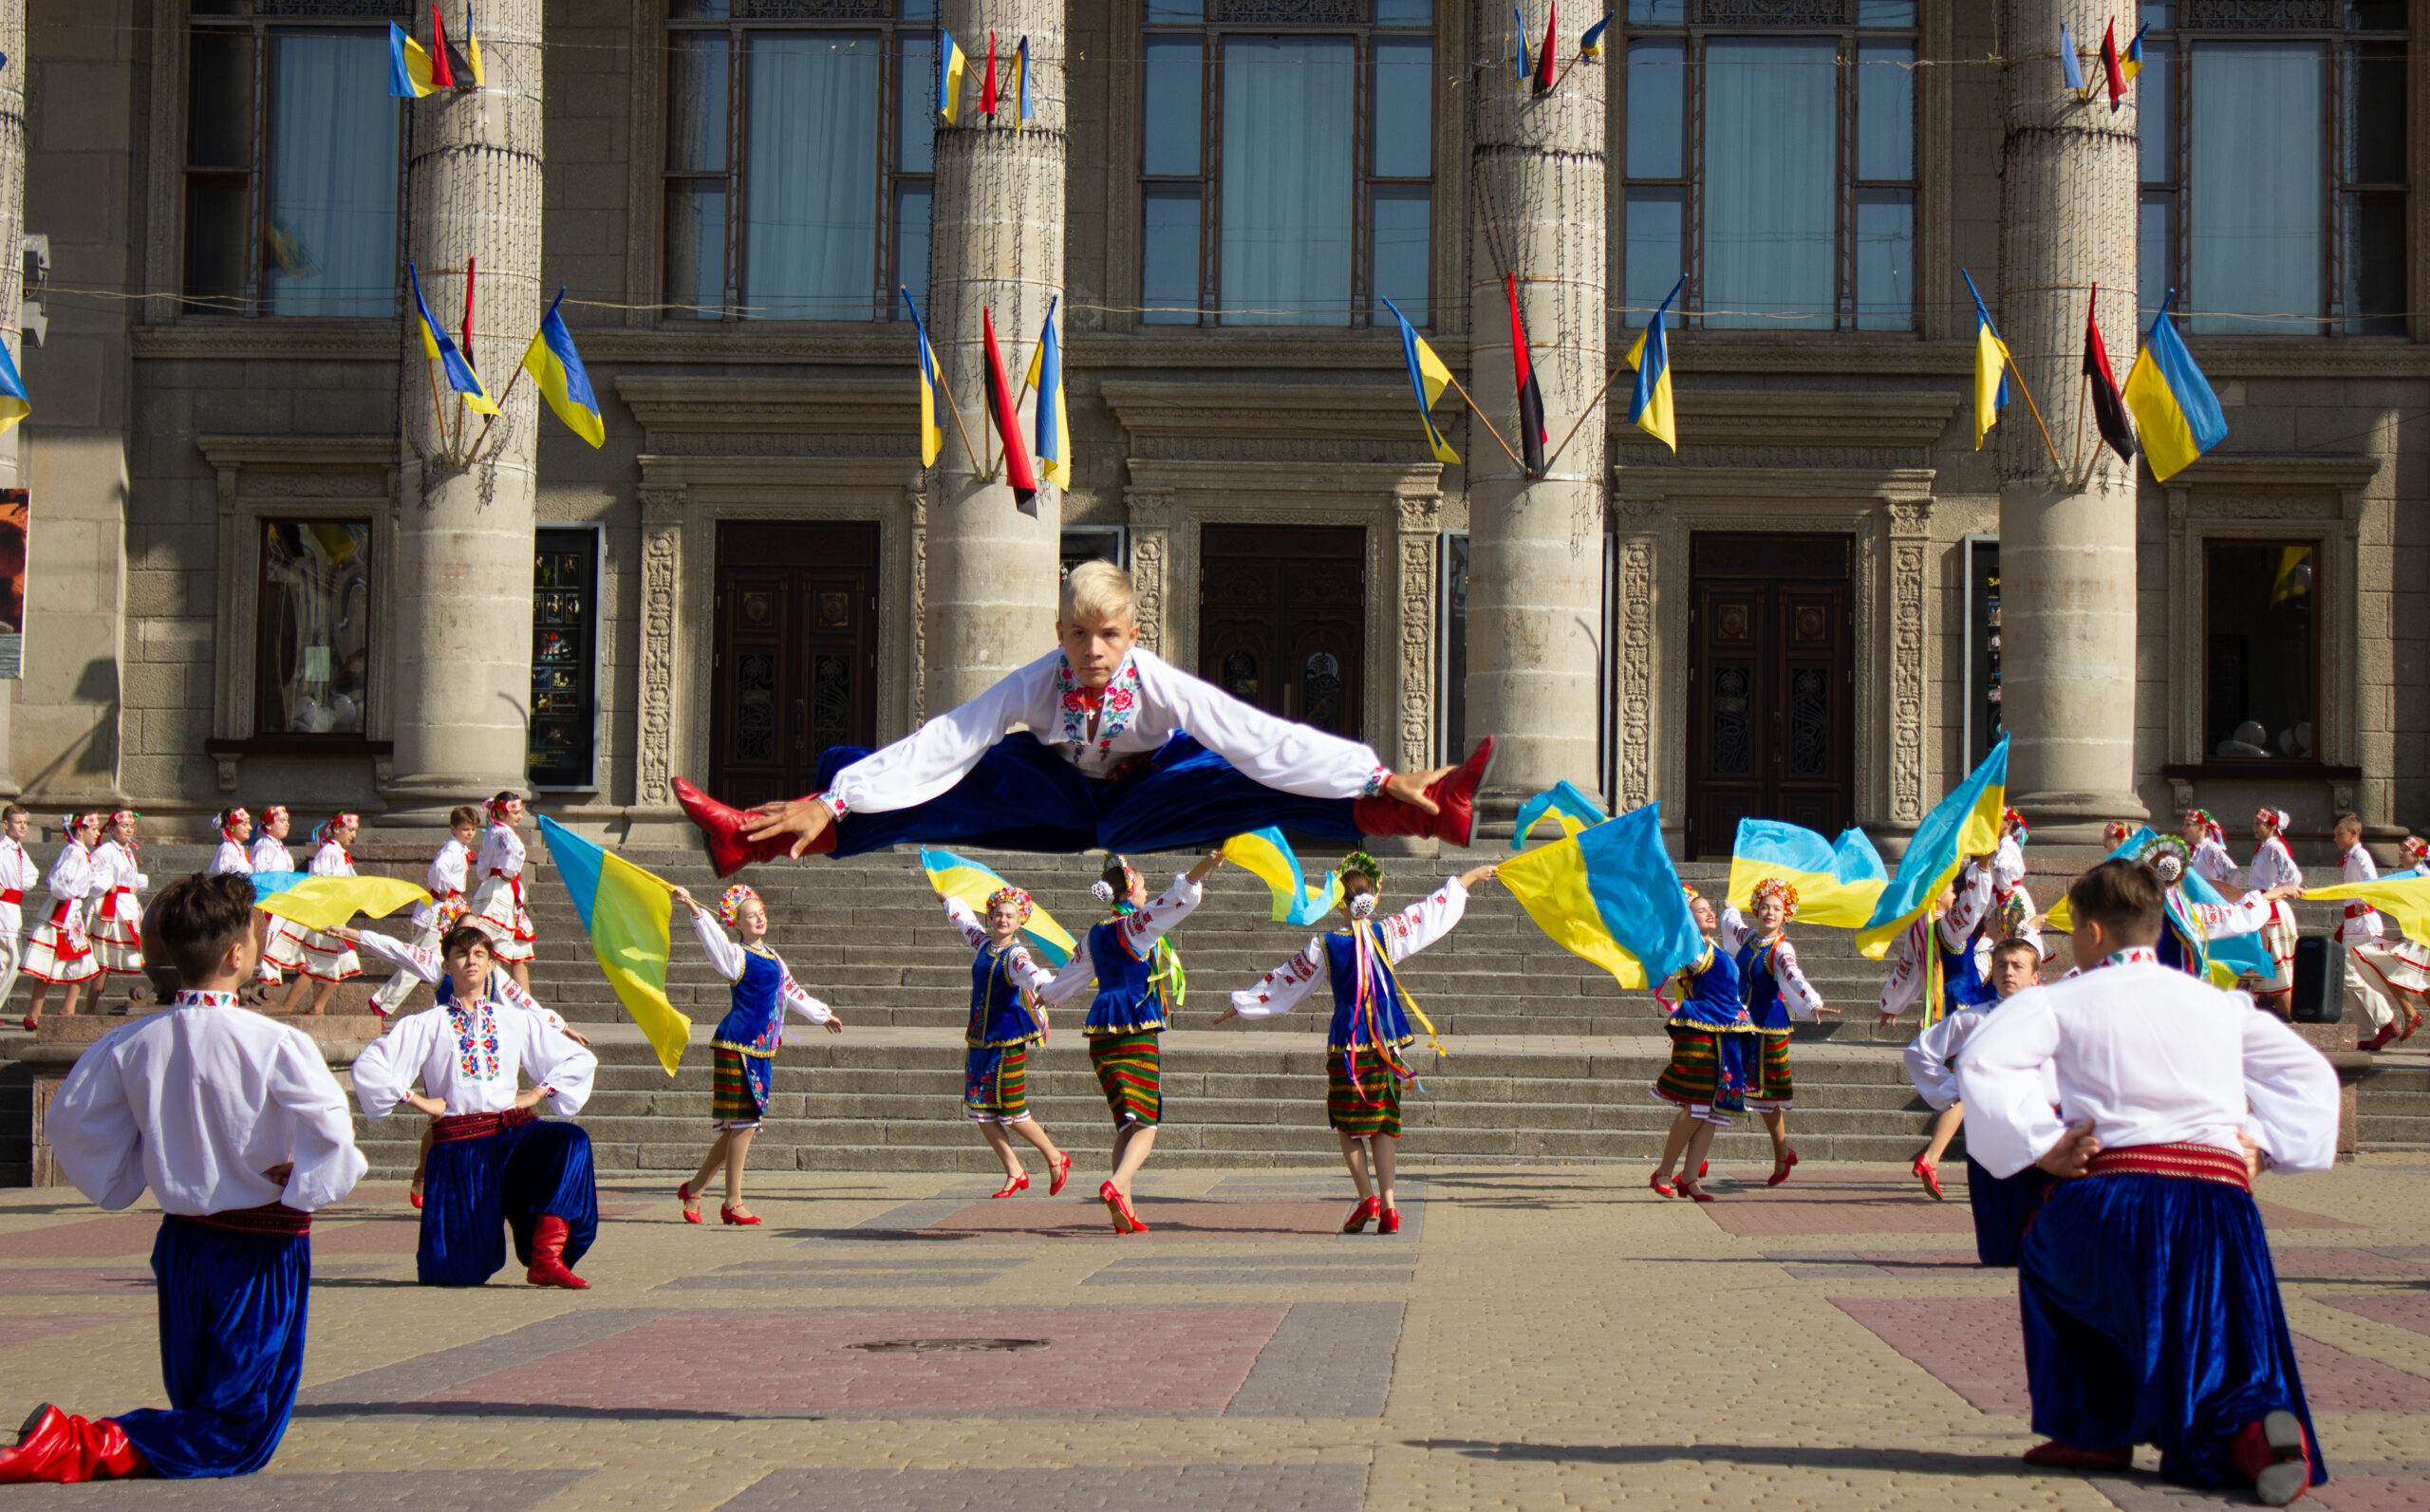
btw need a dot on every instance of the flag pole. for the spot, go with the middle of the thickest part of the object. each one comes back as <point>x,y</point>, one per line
<point>2027,390</point>
<point>1583,413</point>
<point>501,404</point>
<point>954,405</point>
<point>1482,419</point>
<point>438,410</point>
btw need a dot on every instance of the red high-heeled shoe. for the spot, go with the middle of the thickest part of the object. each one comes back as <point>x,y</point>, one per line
<point>1694,1191</point>
<point>1780,1172</point>
<point>1062,1174</point>
<point>1930,1175</point>
<point>1356,1222</point>
<point>1661,1187</point>
<point>1117,1210</point>
<point>685,1194</point>
<point>739,1219</point>
<point>1389,1221</point>
<point>1015,1187</point>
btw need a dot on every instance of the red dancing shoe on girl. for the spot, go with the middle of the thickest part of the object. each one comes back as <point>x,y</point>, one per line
<point>1360,1215</point>
<point>1013,1187</point>
<point>1062,1174</point>
<point>1389,1221</point>
<point>738,1218</point>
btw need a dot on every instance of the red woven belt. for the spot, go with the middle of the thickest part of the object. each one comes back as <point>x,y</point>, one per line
<point>2200,1163</point>
<point>275,1219</point>
<point>478,1125</point>
<point>14,895</point>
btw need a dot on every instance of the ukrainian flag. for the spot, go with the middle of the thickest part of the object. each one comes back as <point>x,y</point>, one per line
<point>958,877</point>
<point>325,903</point>
<point>2132,64</point>
<point>951,65</point>
<point>440,348</point>
<point>14,405</point>
<point>2174,411</point>
<point>1609,894</point>
<point>1838,884</point>
<point>557,368</point>
<point>1991,367</point>
<point>1967,823</point>
<point>932,436</point>
<point>1427,375</point>
<point>1054,426</point>
<point>1650,402</point>
<point>624,911</point>
<point>1591,44</point>
<point>1265,855</point>
<point>409,75</point>
<point>2224,962</point>
<point>1027,107</point>
<point>1575,809</point>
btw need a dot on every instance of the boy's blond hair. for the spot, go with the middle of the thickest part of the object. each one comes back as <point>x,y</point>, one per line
<point>1098,592</point>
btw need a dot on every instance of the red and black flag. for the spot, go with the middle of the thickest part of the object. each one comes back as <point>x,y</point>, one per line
<point>987,89</point>
<point>448,67</point>
<point>1544,54</point>
<point>1531,398</point>
<point>2111,65</point>
<point>2108,408</point>
<point>1004,403</point>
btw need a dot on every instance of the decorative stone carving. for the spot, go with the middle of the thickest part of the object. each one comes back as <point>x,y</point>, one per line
<point>1151,561</point>
<point>1636,671</point>
<point>661,555</point>
<point>916,496</point>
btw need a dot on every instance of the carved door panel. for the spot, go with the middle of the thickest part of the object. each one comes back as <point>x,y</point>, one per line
<point>796,665</point>
<point>1283,621</point>
<point>1771,726</point>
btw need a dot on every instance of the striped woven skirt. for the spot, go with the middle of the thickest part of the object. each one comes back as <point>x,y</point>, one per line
<point>1706,1075</point>
<point>994,1085</point>
<point>1769,1088</point>
<point>734,1103</point>
<point>1367,1107</point>
<point>1129,1069</point>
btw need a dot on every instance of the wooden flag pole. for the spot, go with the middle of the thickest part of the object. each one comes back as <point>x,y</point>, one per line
<point>1483,420</point>
<point>954,405</point>
<point>2076,467</point>
<point>437,407</point>
<point>2027,390</point>
<point>501,404</point>
<point>1583,413</point>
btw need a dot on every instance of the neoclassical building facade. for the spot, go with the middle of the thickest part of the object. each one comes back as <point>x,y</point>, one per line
<point>267,562</point>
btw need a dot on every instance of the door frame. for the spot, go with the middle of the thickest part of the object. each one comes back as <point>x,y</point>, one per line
<point>1361,559</point>
<point>795,632</point>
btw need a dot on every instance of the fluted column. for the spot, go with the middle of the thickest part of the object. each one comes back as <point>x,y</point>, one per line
<point>996,244</point>
<point>461,648</point>
<point>12,292</point>
<point>1536,546</point>
<point>2068,220</point>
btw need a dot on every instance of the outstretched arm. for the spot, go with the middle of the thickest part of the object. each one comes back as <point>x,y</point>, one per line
<point>1428,919</point>
<point>1266,749</point>
<point>422,964</point>
<point>1283,988</point>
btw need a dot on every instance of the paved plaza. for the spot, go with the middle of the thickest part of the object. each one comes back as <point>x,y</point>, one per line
<point>1536,1337</point>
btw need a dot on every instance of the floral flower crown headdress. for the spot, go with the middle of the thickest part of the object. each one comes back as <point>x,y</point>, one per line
<point>1019,900</point>
<point>1775,887</point>
<point>730,906</point>
<point>2277,819</point>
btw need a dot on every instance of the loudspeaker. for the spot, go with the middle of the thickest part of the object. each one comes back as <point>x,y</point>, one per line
<point>2319,996</point>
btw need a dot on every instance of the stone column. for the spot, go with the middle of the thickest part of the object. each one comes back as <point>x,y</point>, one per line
<point>1536,545</point>
<point>996,244</point>
<point>2067,219</point>
<point>460,644</point>
<point>13,271</point>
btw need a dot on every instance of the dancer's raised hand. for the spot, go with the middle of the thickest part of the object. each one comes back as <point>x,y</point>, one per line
<point>805,819</point>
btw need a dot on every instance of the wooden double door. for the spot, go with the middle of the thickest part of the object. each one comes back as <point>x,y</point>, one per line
<point>1283,621</point>
<point>794,669</point>
<point>1771,686</point>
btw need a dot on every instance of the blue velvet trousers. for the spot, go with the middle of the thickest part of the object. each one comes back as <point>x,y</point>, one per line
<point>476,1189</point>
<point>232,1349</point>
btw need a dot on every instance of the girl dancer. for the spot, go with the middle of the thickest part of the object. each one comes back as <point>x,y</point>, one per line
<point>283,947</point>
<point>444,882</point>
<point>231,858</point>
<point>2207,842</point>
<point>1140,987</point>
<point>56,950</point>
<point>1937,961</point>
<point>1005,1021</point>
<point>326,958</point>
<point>1371,1014</point>
<point>2274,866</point>
<point>744,1046</point>
<point>117,927</point>
<point>1776,991</point>
<point>1711,1035</point>
<point>498,891</point>
<point>19,877</point>
<point>2416,856</point>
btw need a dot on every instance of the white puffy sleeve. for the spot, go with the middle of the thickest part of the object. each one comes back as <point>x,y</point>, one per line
<point>1424,922</point>
<point>725,957</point>
<point>1077,973</point>
<point>1287,985</point>
<point>1268,750</point>
<point>2291,1093</point>
<point>2225,921</point>
<point>1928,1062</point>
<point>2010,1122</point>
<point>941,753</point>
<point>422,964</point>
<point>502,989</point>
<point>1143,927</point>
<point>557,1064</point>
<point>799,1001</point>
<point>974,934</point>
<point>2008,863</point>
<point>1026,973</point>
<point>1734,928</point>
<point>2216,867</point>
<point>92,1131</point>
<point>326,1163</point>
<point>1796,992</point>
<point>1905,984</point>
<point>385,1072</point>
<point>1973,901</point>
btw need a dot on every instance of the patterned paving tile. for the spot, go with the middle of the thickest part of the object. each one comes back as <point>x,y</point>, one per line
<point>2406,1310</point>
<point>1168,1489</point>
<point>74,1282</point>
<point>363,1491</point>
<point>2302,1263</point>
<point>1832,1206</point>
<point>1166,1217</point>
<point>105,1238</point>
<point>23,1328</point>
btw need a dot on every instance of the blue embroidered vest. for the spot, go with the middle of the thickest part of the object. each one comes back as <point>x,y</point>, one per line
<point>757,1021</point>
<point>1757,988</point>
<point>999,1013</point>
<point>1127,1000</point>
<point>1384,1020</point>
<point>1710,999</point>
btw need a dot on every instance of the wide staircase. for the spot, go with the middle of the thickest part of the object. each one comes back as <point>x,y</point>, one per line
<point>1547,1059</point>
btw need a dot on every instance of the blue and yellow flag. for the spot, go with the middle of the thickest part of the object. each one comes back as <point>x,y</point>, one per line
<point>1610,895</point>
<point>625,911</point>
<point>960,877</point>
<point>1991,367</point>
<point>440,348</point>
<point>2070,66</point>
<point>1053,428</point>
<point>325,903</point>
<point>932,436</point>
<point>1025,107</point>
<point>1591,44</point>
<point>1650,402</point>
<point>1837,883</point>
<point>2224,962</point>
<point>1567,801</point>
<point>557,368</point>
<point>2174,411</point>
<point>1265,855</point>
<point>951,65</point>
<point>14,404</point>
<point>1967,823</point>
<point>1519,61</point>
<point>1429,378</point>
<point>2132,64</point>
<point>409,72</point>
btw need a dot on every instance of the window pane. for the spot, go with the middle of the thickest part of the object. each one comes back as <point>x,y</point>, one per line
<point>2375,264</point>
<point>1885,112</point>
<point>2156,121</point>
<point>696,251</point>
<point>2258,598</point>
<point>1404,12</point>
<point>1768,182</point>
<point>1885,12</point>
<point>2375,118</point>
<point>915,122</point>
<point>1404,109</point>
<point>1175,113</point>
<point>1885,260</point>
<point>809,194</point>
<point>2159,15</point>
<point>1182,11</point>
<point>911,206</point>
<point>330,226</point>
<point>1401,249</point>
<point>221,116</point>
<point>2376,15</point>
<point>311,654</point>
<point>216,243</point>
<point>1658,12</point>
<point>918,9</point>
<point>564,632</point>
<point>1286,187</point>
<point>2152,254</point>
<point>696,102</point>
<point>697,10</point>
<point>1656,81</point>
<point>2254,189</point>
<point>1169,256</point>
<point>1655,217</point>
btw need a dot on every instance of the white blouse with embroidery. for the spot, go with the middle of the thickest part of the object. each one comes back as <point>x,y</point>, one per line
<point>468,1055</point>
<point>1402,934</point>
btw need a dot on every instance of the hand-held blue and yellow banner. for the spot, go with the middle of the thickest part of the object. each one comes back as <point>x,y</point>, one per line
<point>2405,899</point>
<point>1265,855</point>
<point>958,877</point>
<point>409,72</point>
<point>1837,883</point>
<point>1966,823</point>
<point>1610,895</point>
<point>325,903</point>
<point>625,911</point>
<point>1575,808</point>
<point>1991,367</point>
<point>1649,408</point>
<point>1052,426</point>
<point>564,383</point>
<point>440,348</point>
<point>1429,378</point>
<point>2174,411</point>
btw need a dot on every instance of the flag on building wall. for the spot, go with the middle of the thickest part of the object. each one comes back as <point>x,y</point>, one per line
<point>932,436</point>
<point>1519,59</point>
<point>1054,422</point>
<point>1649,408</point>
<point>2174,411</point>
<point>1591,44</point>
<point>1991,367</point>
<point>1025,104</point>
<point>951,65</point>
<point>1429,378</point>
<point>409,75</point>
<point>987,85</point>
<point>625,911</point>
<point>2108,407</point>
<point>440,348</point>
<point>445,60</point>
<point>2112,69</point>
<point>1003,408</point>
<point>2071,66</point>
<point>1531,398</point>
<point>1545,54</point>
<point>564,383</point>
<point>14,404</point>
<point>2133,62</point>
<point>471,54</point>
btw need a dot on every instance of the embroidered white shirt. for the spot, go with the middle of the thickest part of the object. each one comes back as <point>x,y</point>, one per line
<point>332,860</point>
<point>501,853</point>
<point>269,855</point>
<point>431,967</point>
<point>1797,994</point>
<point>1402,934</point>
<point>2362,925</point>
<point>468,1055</point>
<point>228,859</point>
<point>2274,866</point>
<point>444,879</point>
<point>2217,867</point>
<point>113,869</point>
<point>1019,965</point>
<point>1141,929</point>
<point>71,881</point>
<point>18,874</point>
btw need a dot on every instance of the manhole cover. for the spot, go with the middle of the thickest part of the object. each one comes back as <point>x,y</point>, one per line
<point>911,1346</point>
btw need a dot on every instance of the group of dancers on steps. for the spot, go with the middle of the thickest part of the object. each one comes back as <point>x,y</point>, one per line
<point>2145,1099</point>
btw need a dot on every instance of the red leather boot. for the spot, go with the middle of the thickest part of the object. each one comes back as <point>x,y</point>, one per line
<point>729,850</point>
<point>548,1258</point>
<point>63,1449</point>
<point>2272,1452</point>
<point>1454,793</point>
